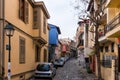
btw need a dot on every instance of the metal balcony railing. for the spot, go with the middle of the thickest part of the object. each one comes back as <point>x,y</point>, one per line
<point>113,23</point>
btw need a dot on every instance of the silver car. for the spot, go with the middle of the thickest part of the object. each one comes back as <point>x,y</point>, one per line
<point>45,70</point>
<point>59,62</point>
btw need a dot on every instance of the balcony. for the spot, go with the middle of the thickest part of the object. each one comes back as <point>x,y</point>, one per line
<point>113,3</point>
<point>113,27</point>
<point>39,41</point>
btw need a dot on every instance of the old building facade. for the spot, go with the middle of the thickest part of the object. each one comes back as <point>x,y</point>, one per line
<point>109,30</point>
<point>29,42</point>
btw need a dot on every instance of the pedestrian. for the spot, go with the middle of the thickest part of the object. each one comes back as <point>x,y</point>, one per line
<point>79,60</point>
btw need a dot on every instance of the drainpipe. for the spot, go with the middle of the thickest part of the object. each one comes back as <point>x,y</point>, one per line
<point>2,19</point>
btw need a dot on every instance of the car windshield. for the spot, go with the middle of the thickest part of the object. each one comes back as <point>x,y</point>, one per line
<point>43,67</point>
<point>62,59</point>
<point>59,60</point>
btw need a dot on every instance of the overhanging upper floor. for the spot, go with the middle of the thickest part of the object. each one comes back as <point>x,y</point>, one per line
<point>39,41</point>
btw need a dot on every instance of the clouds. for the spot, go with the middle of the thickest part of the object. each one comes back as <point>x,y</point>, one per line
<point>62,15</point>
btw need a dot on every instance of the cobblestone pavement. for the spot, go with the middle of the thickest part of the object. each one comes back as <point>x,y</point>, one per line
<point>72,71</point>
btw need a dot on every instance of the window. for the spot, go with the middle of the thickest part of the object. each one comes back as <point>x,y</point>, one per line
<point>21,50</point>
<point>36,18</point>
<point>106,61</point>
<point>37,53</point>
<point>44,26</point>
<point>101,48</point>
<point>106,49</point>
<point>45,55</point>
<point>23,10</point>
<point>112,47</point>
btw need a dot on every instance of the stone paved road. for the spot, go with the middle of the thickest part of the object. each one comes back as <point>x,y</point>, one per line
<point>72,71</point>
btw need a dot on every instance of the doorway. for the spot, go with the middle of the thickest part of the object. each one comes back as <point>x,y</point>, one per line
<point>117,65</point>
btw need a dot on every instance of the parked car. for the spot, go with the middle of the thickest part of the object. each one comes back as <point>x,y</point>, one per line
<point>45,70</point>
<point>63,58</point>
<point>59,63</point>
<point>67,58</point>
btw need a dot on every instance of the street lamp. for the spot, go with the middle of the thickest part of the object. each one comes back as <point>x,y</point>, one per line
<point>9,30</point>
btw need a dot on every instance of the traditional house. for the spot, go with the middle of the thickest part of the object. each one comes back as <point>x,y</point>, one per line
<point>65,49</point>
<point>109,30</point>
<point>29,42</point>
<point>80,37</point>
<point>53,40</point>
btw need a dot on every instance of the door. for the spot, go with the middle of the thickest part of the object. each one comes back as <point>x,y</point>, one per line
<point>117,65</point>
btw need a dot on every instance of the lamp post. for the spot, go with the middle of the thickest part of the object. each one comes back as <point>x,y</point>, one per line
<point>9,30</point>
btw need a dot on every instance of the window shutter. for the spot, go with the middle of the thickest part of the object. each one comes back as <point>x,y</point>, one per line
<point>26,12</point>
<point>35,18</point>
<point>22,50</point>
<point>20,9</point>
<point>44,29</point>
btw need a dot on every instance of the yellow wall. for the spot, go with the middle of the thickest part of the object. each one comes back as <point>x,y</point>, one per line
<point>108,73</point>
<point>12,16</point>
<point>17,68</point>
<point>43,35</point>
<point>111,13</point>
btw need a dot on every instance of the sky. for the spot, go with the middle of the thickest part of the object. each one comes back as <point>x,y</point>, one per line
<point>63,15</point>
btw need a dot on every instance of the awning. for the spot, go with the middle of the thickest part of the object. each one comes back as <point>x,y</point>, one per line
<point>92,53</point>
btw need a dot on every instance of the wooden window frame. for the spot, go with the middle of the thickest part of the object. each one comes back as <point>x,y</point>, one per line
<point>24,11</point>
<point>44,24</point>
<point>37,53</point>
<point>112,47</point>
<point>22,50</point>
<point>35,19</point>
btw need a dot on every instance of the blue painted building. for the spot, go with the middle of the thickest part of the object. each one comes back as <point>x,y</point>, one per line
<point>53,40</point>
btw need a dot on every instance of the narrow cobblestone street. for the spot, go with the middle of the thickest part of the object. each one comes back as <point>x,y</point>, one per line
<point>72,71</point>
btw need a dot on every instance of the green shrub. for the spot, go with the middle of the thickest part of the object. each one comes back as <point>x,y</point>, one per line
<point>89,70</point>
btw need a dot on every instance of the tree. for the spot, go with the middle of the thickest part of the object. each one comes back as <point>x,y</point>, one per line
<point>94,13</point>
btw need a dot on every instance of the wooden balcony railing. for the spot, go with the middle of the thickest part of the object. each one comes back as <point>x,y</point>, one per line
<point>113,23</point>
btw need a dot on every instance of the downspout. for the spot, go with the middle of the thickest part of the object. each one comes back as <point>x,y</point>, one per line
<point>3,55</point>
